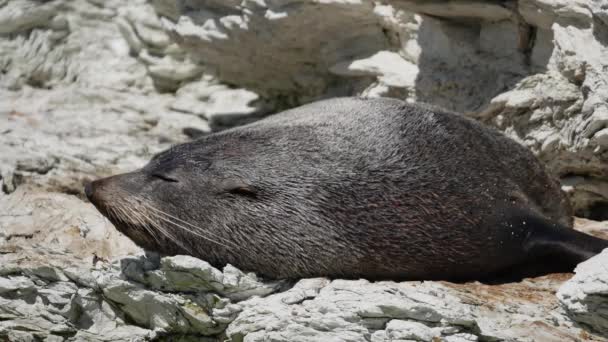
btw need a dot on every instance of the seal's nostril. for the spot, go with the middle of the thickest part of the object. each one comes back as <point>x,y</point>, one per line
<point>88,190</point>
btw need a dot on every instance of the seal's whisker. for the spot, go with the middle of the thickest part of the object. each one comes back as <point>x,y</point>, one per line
<point>165,232</point>
<point>152,226</point>
<point>169,218</point>
<point>137,220</point>
<point>135,217</point>
<point>192,232</point>
<point>128,219</point>
<point>112,213</point>
<point>176,224</point>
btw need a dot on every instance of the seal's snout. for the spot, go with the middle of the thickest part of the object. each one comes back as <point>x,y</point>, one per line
<point>89,190</point>
<point>97,191</point>
<point>105,191</point>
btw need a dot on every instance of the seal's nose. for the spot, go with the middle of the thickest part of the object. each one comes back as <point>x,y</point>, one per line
<point>89,189</point>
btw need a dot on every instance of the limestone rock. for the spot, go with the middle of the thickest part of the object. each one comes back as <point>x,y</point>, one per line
<point>274,47</point>
<point>389,68</point>
<point>544,13</point>
<point>67,118</point>
<point>584,296</point>
<point>221,105</point>
<point>98,301</point>
<point>60,222</point>
<point>142,298</point>
<point>188,274</point>
<point>484,10</point>
<point>357,310</point>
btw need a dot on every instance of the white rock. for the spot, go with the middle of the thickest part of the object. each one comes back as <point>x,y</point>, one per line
<point>390,68</point>
<point>8,284</point>
<point>227,107</point>
<point>24,14</point>
<point>544,13</point>
<point>584,296</point>
<point>460,9</point>
<point>270,34</point>
<point>407,330</point>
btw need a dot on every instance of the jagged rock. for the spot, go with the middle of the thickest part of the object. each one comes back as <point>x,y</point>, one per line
<point>483,67</point>
<point>191,275</point>
<point>289,46</point>
<point>185,296</point>
<point>20,15</point>
<point>484,10</point>
<point>60,222</point>
<point>544,13</point>
<point>220,105</point>
<point>585,296</point>
<point>19,283</point>
<point>561,115</point>
<point>389,67</point>
<point>319,310</point>
<point>179,295</point>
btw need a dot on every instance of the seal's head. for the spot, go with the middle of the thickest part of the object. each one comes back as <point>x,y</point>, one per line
<point>208,198</point>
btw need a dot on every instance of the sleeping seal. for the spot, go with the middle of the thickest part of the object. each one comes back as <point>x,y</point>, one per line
<point>349,188</point>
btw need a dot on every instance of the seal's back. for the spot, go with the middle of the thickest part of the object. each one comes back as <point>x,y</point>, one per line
<point>349,187</point>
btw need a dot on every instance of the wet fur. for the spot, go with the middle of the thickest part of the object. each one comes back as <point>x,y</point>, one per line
<point>372,188</point>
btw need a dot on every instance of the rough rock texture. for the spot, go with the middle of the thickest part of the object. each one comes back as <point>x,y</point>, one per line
<point>585,295</point>
<point>91,87</point>
<point>55,296</point>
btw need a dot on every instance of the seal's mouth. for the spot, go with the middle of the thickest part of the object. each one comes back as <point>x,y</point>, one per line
<point>139,234</point>
<point>132,216</point>
<point>145,223</point>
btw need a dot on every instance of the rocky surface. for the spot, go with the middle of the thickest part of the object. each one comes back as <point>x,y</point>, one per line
<point>584,296</point>
<point>89,88</point>
<point>55,296</point>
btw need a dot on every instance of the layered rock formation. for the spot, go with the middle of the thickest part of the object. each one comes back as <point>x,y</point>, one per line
<point>55,297</point>
<point>89,88</point>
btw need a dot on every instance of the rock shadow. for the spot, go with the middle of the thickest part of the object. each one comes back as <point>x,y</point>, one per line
<point>464,63</point>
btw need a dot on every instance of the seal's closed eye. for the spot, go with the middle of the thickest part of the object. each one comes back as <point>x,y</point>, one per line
<point>164,177</point>
<point>238,187</point>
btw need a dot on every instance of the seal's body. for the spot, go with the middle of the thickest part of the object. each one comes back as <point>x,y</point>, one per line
<point>372,188</point>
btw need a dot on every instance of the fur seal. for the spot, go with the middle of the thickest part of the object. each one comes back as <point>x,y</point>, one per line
<point>350,188</point>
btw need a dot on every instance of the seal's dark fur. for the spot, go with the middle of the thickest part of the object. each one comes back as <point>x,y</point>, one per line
<point>349,187</point>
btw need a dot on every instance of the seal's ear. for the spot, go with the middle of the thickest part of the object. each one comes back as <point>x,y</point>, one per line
<point>238,187</point>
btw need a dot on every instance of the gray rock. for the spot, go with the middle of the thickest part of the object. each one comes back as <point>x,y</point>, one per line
<point>185,296</point>
<point>11,284</point>
<point>281,59</point>
<point>20,15</point>
<point>585,296</point>
<point>544,13</point>
<point>483,10</point>
<point>408,330</point>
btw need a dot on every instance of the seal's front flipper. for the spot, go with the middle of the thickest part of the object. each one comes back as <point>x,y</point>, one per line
<point>536,246</point>
<point>567,246</point>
